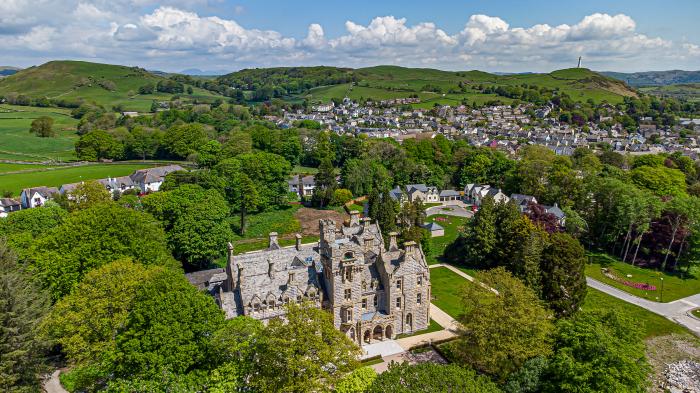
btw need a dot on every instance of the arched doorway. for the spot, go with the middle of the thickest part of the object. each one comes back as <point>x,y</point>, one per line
<point>378,333</point>
<point>409,322</point>
<point>368,336</point>
<point>351,333</point>
<point>388,332</point>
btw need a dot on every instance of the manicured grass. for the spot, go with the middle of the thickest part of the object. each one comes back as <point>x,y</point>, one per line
<point>696,312</point>
<point>372,361</point>
<point>438,244</point>
<point>15,182</point>
<point>260,225</point>
<point>18,143</point>
<point>674,287</point>
<point>359,208</point>
<point>651,324</point>
<point>304,170</point>
<point>447,290</point>
<point>432,327</point>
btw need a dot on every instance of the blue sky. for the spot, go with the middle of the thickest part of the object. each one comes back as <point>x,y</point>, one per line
<point>225,35</point>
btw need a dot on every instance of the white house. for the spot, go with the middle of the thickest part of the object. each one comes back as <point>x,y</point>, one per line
<point>150,180</point>
<point>308,184</point>
<point>8,205</point>
<point>36,196</point>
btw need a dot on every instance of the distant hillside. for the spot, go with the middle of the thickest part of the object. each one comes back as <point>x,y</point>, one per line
<point>656,78</point>
<point>77,81</point>
<point>688,91</point>
<point>430,85</point>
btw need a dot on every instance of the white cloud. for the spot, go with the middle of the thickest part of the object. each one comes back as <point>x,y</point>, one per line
<point>174,36</point>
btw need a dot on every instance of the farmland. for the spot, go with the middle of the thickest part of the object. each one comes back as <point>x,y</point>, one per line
<point>15,182</point>
<point>19,144</point>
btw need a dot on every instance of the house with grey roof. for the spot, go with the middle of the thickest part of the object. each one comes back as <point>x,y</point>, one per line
<point>427,194</point>
<point>374,293</point>
<point>36,196</point>
<point>150,180</point>
<point>308,184</point>
<point>9,205</point>
<point>449,195</point>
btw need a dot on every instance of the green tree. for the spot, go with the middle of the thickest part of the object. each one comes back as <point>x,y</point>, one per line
<point>23,307</point>
<point>341,196</point>
<point>430,377</point>
<point>358,381</point>
<point>660,180</point>
<point>168,330</point>
<point>325,183</point>
<point>182,140</point>
<point>249,199</point>
<point>88,194</point>
<point>195,220</point>
<point>236,346</point>
<point>92,237</point>
<point>596,352</point>
<point>502,331</point>
<point>87,321</point>
<point>98,144</point>
<point>303,354</point>
<point>42,127</point>
<point>563,274</point>
<point>529,378</point>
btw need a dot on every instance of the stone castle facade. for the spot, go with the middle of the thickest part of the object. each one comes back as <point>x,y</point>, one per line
<point>373,292</point>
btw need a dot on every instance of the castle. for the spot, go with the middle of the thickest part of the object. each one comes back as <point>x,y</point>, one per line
<point>373,292</point>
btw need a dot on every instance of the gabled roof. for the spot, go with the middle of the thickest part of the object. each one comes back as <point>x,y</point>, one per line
<point>558,213</point>
<point>448,193</point>
<point>45,192</point>
<point>8,202</point>
<point>431,226</point>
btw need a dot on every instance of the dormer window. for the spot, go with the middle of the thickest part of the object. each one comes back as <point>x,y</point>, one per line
<point>349,255</point>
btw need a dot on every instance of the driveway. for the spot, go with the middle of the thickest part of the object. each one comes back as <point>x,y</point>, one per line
<point>677,311</point>
<point>449,210</point>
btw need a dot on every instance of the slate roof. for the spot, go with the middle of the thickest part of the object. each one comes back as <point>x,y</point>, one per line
<point>46,192</point>
<point>9,202</point>
<point>306,180</point>
<point>152,175</point>
<point>431,226</point>
<point>448,193</point>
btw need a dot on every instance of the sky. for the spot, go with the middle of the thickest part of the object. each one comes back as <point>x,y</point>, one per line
<point>219,36</point>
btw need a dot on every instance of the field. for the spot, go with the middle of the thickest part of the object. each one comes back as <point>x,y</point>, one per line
<point>674,287</point>
<point>388,82</point>
<point>651,324</point>
<point>438,244</point>
<point>77,80</point>
<point>689,91</point>
<point>5,168</point>
<point>446,287</point>
<point>15,182</point>
<point>19,144</point>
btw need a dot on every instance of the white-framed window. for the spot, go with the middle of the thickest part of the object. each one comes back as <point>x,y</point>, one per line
<point>398,302</point>
<point>348,294</point>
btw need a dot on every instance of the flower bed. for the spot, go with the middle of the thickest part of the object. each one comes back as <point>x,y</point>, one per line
<point>644,287</point>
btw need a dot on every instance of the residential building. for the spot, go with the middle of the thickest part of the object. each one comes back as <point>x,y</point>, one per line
<point>308,184</point>
<point>9,205</point>
<point>36,196</point>
<point>374,293</point>
<point>150,180</point>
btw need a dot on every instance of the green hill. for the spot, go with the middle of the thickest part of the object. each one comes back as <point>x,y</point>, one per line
<point>78,81</point>
<point>430,85</point>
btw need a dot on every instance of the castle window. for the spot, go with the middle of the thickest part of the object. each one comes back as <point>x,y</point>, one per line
<point>398,302</point>
<point>364,285</point>
<point>375,301</point>
<point>364,303</point>
<point>420,280</point>
<point>348,315</point>
<point>348,294</point>
<point>398,284</point>
<point>418,298</point>
<point>348,274</point>
<point>349,255</point>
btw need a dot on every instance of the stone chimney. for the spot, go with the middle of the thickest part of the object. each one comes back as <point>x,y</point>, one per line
<point>274,245</point>
<point>230,283</point>
<point>409,246</point>
<point>366,222</point>
<point>298,241</point>
<point>354,218</point>
<point>327,229</point>
<point>270,268</point>
<point>393,246</point>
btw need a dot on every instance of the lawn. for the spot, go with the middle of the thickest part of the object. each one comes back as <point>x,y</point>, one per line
<point>432,327</point>
<point>651,324</point>
<point>4,168</point>
<point>19,144</point>
<point>15,182</point>
<point>260,225</point>
<point>304,170</point>
<point>438,244</point>
<point>356,207</point>
<point>446,286</point>
<point>696,312</point>
<point>674,287</point>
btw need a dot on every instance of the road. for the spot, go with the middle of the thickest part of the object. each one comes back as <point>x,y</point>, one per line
<point>677,311</point>
<point>456,210</point>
